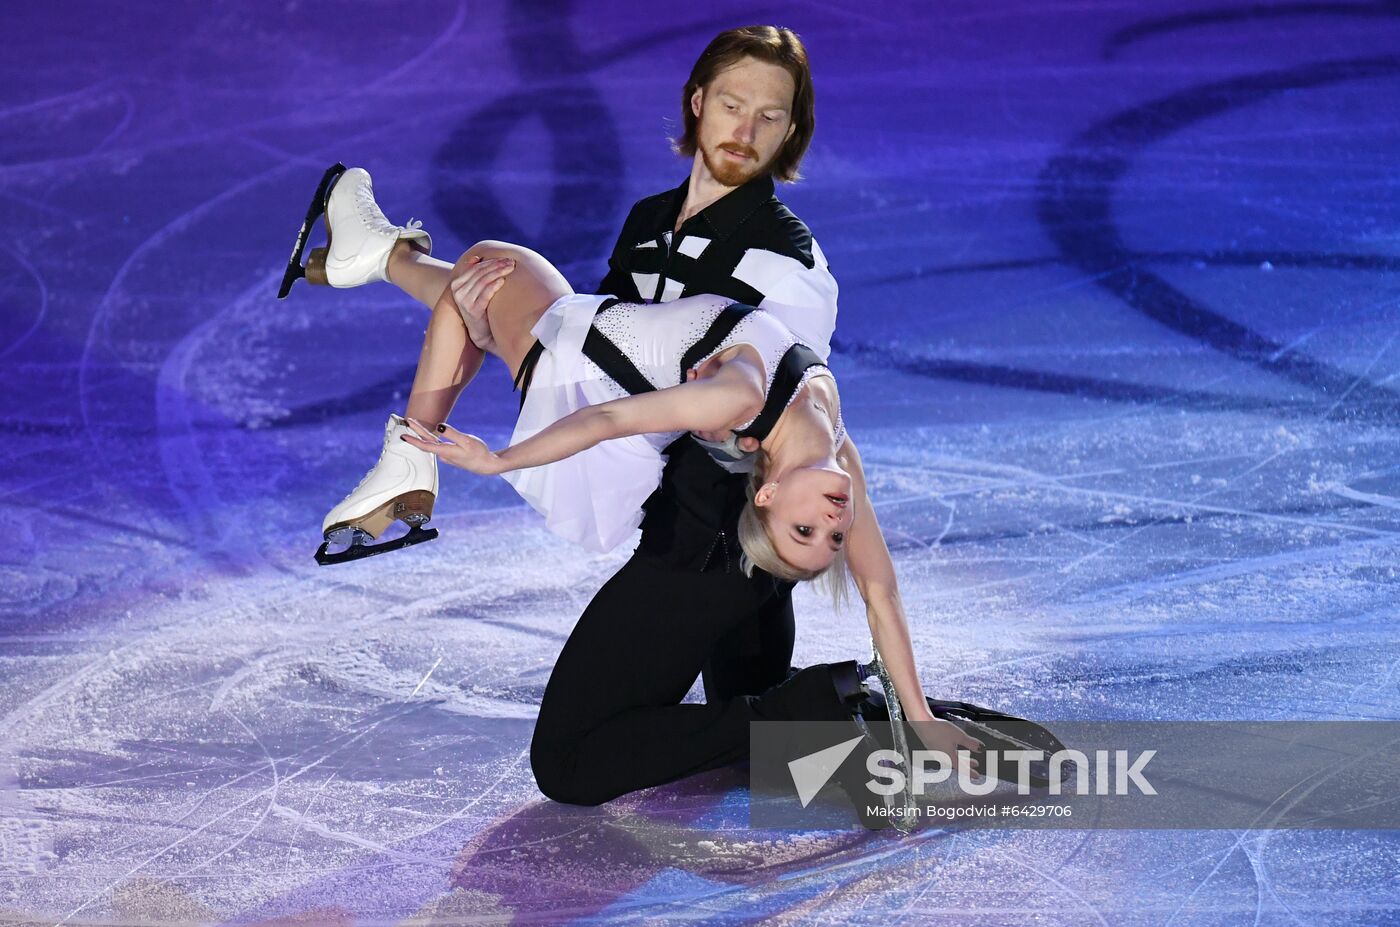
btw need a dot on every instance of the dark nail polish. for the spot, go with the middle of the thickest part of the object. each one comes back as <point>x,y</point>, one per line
<point>442,427</point>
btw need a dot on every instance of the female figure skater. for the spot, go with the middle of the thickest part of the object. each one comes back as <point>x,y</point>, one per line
<point>606,386</point>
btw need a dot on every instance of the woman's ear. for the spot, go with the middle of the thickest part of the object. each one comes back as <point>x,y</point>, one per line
<point>764,496</point>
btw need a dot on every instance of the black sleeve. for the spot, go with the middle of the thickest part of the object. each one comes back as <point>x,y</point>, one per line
<point>618,282</point>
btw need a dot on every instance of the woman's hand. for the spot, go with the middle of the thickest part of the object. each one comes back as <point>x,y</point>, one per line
<point>472,292</point>
<point>461,450</point>
<point>947,737</point>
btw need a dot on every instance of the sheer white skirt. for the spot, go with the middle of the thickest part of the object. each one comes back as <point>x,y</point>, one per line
<point>593,498</point>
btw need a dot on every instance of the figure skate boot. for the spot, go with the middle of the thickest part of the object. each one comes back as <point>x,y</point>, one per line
<point>358,235</point>
<point>402,485</point>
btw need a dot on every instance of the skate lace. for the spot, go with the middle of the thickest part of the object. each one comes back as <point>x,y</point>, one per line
<point>373,217</point>
<point>388,434</point>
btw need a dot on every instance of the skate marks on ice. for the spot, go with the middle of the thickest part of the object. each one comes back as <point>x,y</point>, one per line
<point>240,762</point>
<point>242,746</point>
<point>1075,204</point>
<point>573,140</point>
<point>640,856</point>
<point>1250,15</point>
<point>139,316</point>
<point>1076,209</point>
<point>241,740</point>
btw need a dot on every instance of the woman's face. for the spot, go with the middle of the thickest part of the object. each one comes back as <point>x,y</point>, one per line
<point>808,515</point>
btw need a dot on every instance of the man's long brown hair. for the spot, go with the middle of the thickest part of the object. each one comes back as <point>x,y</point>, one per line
<point>775,45</point>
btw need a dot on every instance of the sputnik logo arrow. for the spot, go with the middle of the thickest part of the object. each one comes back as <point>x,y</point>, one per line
<point>811,772</point>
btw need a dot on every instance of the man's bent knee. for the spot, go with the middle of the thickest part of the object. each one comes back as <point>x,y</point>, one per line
<point>559,781</point>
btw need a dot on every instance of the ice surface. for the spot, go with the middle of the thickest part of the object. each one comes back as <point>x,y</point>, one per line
<point>1119,337</point>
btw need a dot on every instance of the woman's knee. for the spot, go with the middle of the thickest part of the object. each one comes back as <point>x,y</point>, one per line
<point>485,251</point>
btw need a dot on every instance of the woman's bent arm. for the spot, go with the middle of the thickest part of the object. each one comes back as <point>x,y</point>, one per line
<point>730,396</point>
<point>873,571</point>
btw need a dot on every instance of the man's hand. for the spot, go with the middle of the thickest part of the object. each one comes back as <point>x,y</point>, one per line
<point>472,292</point>
<point>461,450</point>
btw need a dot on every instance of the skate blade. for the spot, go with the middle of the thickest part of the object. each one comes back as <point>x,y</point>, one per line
<point>359,550</point>
<point>295,270</point>
<point>414,509</point>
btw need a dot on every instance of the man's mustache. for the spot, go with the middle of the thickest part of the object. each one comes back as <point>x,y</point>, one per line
<point>744,150</point>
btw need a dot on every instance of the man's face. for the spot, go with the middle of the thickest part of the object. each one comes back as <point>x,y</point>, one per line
<point>745,118</point>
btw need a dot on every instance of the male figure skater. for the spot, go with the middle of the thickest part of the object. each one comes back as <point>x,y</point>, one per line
<point>680,607</point>
<point>611,720</point>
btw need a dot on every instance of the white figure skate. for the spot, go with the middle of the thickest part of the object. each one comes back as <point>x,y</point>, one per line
<point>359,237</point>
<point>402,486</point>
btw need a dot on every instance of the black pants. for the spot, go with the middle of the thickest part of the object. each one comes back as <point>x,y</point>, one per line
<point>611,721</point>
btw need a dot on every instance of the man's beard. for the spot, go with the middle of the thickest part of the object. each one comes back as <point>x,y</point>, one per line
<point>732,173</point>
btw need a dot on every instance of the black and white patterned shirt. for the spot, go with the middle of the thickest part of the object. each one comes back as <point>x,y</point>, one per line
<point>746,246</point>
<point>749,247</point>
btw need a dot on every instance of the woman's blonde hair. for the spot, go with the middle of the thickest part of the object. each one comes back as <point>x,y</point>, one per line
<point>759,551</point>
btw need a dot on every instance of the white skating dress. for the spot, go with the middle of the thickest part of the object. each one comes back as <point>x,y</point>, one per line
<point>594,498</point>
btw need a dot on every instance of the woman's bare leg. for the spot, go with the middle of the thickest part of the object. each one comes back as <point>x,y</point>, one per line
<point>447,363</point>
<point>449,360</point>
<point>417,274</point>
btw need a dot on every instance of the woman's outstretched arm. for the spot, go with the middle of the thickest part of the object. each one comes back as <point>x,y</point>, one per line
<point>733,394</point>
<point>873,572</point>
